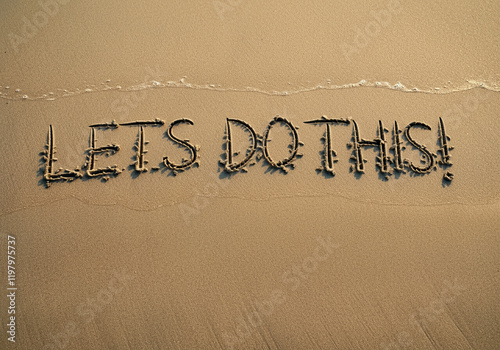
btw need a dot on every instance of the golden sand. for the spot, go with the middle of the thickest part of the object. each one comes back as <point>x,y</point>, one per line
<point>250,175</point>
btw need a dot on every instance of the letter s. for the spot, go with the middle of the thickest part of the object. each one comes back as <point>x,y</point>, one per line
<point>192,149</point>
<point>429,159</point>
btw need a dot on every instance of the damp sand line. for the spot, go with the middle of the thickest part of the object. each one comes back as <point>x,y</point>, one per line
<point>243,198</point>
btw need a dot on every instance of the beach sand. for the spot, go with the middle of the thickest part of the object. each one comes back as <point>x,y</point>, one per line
<point>311,256</point>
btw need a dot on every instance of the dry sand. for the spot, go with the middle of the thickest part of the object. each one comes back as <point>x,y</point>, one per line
<point>196,256</point>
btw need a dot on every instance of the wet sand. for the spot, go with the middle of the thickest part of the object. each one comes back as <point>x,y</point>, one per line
<point>249,175</point>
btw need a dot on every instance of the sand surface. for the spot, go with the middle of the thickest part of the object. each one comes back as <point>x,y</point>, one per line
<point>140,251</point>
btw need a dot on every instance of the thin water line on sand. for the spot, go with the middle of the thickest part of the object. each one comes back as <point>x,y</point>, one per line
<point>398,86</point>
